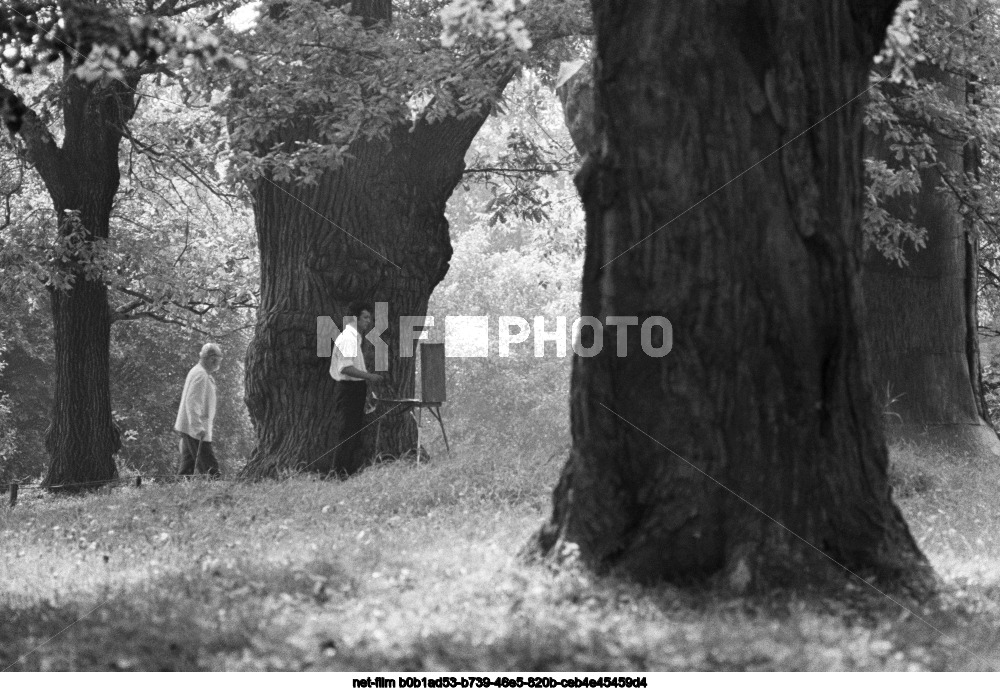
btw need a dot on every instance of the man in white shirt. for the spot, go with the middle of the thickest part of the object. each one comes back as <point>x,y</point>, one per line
<point>351,378</point>
<point>197,413</point>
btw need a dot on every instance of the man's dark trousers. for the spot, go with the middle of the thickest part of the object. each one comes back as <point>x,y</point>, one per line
<point>349,416</point>
<point>205,461</point>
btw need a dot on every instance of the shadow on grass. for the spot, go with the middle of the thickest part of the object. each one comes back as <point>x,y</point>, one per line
<point>181,622</point>
<point>247,617</point>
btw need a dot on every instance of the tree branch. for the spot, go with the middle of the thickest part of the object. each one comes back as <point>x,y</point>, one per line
<point>187,242</point>
<point>179,161</point>
<point>994,279</point>
<point>554,169</point>
<point>158,318</point>
<point>11,192</point>
<point>194,5</point>
<point>199,308</point>
<point>222,12</point>
<point>40,146</point>
<point>945,176</point>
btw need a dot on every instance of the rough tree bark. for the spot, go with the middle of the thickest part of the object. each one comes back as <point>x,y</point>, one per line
<point>81,176</point>
<point>922,318</point>
<point>754,446</point>
<point>374,229</point>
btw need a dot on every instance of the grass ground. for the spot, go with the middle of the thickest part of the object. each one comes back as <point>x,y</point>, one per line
<point>413,568</point>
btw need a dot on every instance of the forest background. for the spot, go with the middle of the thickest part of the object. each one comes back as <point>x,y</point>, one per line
<point>182,266</point>
<point>411,565</point>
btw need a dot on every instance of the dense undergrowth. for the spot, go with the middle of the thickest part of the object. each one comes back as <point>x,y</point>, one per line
<point>413,567</point>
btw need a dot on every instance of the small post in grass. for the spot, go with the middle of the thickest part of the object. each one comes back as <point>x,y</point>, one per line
<point>138,481</point>
<point>13,494</point>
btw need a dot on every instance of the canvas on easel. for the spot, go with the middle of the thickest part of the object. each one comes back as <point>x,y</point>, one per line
<point>432,372</point>
<point>432,394</point>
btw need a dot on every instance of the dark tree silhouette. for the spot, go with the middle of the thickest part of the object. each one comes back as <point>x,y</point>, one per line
<point>723,191</point>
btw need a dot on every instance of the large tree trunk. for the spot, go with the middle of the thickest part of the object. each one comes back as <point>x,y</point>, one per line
<point>922,318</point>
<point>922,324</point>
<point>83,437</point>
<point>374,229</point>
<point>754,446</point>
<point>82,178</point>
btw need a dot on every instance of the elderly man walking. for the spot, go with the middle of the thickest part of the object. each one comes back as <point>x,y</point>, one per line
<point>196,414</point>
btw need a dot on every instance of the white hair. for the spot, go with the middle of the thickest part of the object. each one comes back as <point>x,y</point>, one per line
<point>210,349</point>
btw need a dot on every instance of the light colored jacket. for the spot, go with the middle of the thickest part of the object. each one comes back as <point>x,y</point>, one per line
<point>197,409</point>
<point>347,351</point>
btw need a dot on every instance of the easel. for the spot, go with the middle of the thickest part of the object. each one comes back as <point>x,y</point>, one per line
<point>432,394</point>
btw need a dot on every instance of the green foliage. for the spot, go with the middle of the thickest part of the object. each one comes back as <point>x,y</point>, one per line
<point>181,268</point>
<point>914,105</point>
<point>512,262</point>
<point>522,146</point>
<point>990,359</point>
<point>100,41</point>
<point>485,18</point>
<point>8,433</point>
<point>180,262</point>
<point>321,77</point>
<point>518,401</point>
<point>149,364</point>
<point>887,232</point>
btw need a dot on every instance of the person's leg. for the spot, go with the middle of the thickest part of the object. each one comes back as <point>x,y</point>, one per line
<point>187,464</point>
<point>207,463</point>
<point>350,411</point>
<point>338,412</point>
<point>356,421</point>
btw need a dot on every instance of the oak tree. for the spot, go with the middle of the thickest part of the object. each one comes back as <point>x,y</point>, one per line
<point>723,191</point>
<point>71,137</point>
<point>352,125</point>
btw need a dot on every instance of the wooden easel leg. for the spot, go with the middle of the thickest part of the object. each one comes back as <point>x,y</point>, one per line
<point>436,412</point>
<point>420,410</point>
